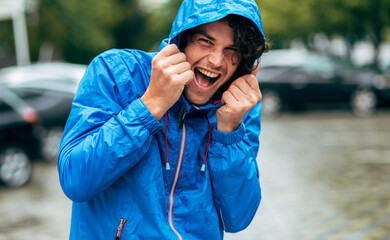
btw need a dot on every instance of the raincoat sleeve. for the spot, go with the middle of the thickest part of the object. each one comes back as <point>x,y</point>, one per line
<point>234,172</point>
<point>103,139</point>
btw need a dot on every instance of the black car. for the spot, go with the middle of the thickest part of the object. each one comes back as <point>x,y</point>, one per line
<point>19,138</point>
<point>294,78</point>
<point>48,88</point>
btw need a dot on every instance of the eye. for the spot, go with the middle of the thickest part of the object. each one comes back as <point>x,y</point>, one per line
<point>232,55</point>
<point>205,42</point>
<point>231,50</point>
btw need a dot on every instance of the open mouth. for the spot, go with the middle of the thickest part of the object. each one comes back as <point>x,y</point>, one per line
<point>205,78</point>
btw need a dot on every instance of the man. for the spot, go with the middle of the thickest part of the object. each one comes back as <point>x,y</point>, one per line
<point>163,145</point>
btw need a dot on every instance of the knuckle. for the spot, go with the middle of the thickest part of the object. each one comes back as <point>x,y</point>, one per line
<point>225,94</point>
<point>239,81</point>
<point>252,78</point>
<point>167,73</point>
<point>259,96</point>
<point>170,47</point>
<point>234,87</point>
<point>157,63</point>
<point>191,74</point>
<point>155,60</point>
<point>236,108</point>
<point>254,99</point>
<point>174,47</point>
<point>187,65</point>
<point>181,55</point>
<point>173,79</point>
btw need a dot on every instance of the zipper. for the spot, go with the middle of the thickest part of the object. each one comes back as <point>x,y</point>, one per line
<point>223,223</point>
<point>182,115</point>
<point>120,229</point>
<point>176,179</point>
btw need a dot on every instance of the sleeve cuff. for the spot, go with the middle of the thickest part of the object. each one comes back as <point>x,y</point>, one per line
<point>144,115</point>
<point>229,138</point>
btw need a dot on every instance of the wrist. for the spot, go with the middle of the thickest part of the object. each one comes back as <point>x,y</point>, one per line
<point>227,127</point>
<point>154,107</point>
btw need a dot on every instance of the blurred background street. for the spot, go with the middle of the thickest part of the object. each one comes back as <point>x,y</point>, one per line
<point>325,144</point>
<point>324,175</point>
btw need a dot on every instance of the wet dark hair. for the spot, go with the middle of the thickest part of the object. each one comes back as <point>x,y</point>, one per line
<point>249,41</point>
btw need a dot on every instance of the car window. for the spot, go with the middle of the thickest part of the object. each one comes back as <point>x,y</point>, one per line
<point>57,84</point>
<point>11,100</point>
<point>318,64</point>
<point>4,107</point>
<point>267,73</point>
<point>26,94</point>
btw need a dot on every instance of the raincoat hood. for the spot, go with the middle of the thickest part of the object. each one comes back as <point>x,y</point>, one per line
<point>194,13</point>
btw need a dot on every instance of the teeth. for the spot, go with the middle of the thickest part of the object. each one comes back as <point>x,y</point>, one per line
<point>207,73</point>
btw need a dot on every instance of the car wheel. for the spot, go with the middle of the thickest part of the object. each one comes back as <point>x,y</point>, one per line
<point>363,102</point>
<point>15,166</point>
<point>271,104</point>
<point>50,143</point>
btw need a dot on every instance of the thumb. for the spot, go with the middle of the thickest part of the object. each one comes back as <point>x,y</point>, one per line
<point>255,70</point>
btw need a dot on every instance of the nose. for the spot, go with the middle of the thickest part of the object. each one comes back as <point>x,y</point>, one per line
<point>216,58</point>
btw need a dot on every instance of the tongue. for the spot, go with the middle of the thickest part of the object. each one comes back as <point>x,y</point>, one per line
<point>202,80</point>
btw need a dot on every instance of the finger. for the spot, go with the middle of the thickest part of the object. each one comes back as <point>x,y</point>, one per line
<point>163,62</point>
<point>186,77</point>
<point>179,68</point>
<point>169,50</point>
<point>228,98</point>
<point>251,94</point>
<point>176,58</point>
<point>237,93</point>
<point>251,80</point>
<point>243,85</point>
<point>255,70</point>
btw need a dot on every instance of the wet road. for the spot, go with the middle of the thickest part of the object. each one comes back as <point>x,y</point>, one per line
<point>324,175</point>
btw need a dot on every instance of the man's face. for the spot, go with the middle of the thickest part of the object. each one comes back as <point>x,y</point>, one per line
<point>213,58</point>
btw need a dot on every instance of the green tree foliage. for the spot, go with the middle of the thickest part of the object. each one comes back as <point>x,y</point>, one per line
<point>6,38</point>
<point>160,20</point>
<point>285,20</point>
<point>80,30</point>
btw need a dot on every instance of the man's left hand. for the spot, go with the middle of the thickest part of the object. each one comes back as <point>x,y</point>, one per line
<point>242,95</point>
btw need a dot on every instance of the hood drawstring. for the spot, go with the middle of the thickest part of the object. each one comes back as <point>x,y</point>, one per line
<point>167,167</point>
<point>203,168</point>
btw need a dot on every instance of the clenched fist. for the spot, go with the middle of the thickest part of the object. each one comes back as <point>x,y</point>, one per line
<point>242,95</point>
<point>170,73</point>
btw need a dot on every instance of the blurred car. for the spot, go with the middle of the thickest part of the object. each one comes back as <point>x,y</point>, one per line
<point>48,88</point>
<point>296,78</point>
<point>19,141</point>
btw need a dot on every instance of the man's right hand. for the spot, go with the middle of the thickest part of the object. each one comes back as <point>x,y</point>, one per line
<point>170,73</point>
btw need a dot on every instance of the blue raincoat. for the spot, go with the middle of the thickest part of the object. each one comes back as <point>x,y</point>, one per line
<point>114,152</point>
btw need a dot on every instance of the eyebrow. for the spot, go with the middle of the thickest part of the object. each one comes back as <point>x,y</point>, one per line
<point>202,32</point>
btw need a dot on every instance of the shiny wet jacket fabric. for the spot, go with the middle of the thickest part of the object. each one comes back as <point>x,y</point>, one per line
<point>113,154</point>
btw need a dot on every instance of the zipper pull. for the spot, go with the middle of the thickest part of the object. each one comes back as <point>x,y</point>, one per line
<point>182,115</point>
<point>120,229</point>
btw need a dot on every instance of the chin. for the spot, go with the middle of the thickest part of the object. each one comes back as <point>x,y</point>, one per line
<point>196,100</point>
